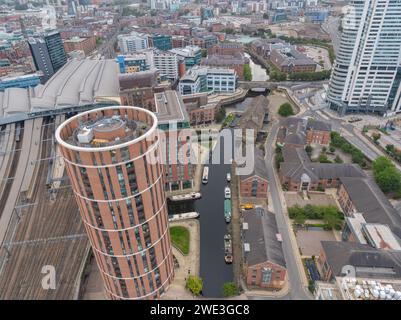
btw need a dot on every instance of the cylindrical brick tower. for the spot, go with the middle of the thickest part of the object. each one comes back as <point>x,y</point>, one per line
<point>111,156</point>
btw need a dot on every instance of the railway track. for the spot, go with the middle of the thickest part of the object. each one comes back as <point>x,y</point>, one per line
<point>48,233</point>
<point>11,173</point>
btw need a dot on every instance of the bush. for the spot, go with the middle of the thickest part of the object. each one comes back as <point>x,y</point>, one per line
<point>332,218</point>
<point>230,289</point>
<point>337,141</point>
<point>337,159</point>
<point>286,110</point>
<point>195,285</point>
<point>323,158</point>
<point>220,115</point>
<point>308,150</point>
<point>247,73</point>
<point>310,76</point>
<point>387,177</point>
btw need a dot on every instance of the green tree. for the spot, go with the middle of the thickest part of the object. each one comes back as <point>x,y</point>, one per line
<point>195,285</point>
<point>285,110</point>
<point>376,137</point>
<point>247,72</point>
<point>381,163</point>
<point>331,219</point>
<point>300,219</point>
<point>338,159</point>
<point>230,289</point>
<point>308,150</point>
<point>389,179</point>
<point>323,158</point>
<point>294,211</point>
<point>220,115</point>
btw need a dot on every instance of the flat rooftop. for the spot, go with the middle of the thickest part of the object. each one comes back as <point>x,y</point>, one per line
<point>107,131</point>
<point>170,107</point>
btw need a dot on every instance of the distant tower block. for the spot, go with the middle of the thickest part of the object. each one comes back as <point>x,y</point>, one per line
<point>111,156</point>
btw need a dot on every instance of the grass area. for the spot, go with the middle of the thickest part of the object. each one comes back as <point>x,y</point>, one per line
<point>180,238</point>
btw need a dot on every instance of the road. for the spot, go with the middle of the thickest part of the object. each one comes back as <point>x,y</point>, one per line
<point>345,129</point>
<point>331,27</point>
<point>298,291</point>
<point>213,270</point>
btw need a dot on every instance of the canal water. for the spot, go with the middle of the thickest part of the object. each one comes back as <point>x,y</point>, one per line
<point>258,72</point>
<point>213,269</point>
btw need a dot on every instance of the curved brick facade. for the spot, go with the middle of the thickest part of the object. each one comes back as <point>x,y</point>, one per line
<point>118,186</point>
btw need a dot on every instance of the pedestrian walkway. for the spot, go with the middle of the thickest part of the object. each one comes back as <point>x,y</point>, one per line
<point>267,293</point>
<point>188,264</point>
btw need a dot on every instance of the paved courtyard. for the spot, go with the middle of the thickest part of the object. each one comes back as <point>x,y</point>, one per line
<point>309,241</point>
<point>294,198</point>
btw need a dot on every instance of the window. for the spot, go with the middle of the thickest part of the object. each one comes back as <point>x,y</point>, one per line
<point>266,275</point>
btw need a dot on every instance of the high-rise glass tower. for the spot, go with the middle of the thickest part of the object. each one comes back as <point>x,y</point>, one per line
<point>112,159</point>
<point>48,53</point>
<point>366,73</point>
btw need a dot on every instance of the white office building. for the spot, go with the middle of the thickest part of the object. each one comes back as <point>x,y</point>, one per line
<point>221,80</point>
<point>366,75</point>
<point>205,79</point>
<point>132,43</point>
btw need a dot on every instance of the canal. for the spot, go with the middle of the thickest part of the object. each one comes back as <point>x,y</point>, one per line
<point>213,269</point>
<point>258,72</point>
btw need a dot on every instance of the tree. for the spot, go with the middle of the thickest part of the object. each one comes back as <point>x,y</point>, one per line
<point>204,53</point>
<point>276,75</point>
<point>285,110</point>
<point>381,163</point>
<point>338,159</point>
<point>221,114</point>
<point>331,219</point>
<point>376,137</point>
<point>195,285</point>
<point>300,219</point>
<point>389,180</point>
<point>308,150</point>
<point>230,289</point>
<point>323,158</point>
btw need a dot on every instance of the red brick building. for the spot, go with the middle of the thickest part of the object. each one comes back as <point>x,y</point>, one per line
<point>198,108</point>
<point>230,49</point>
<point>121,198</point>
<point>87,44</point>
<point>255,184</point>
<point>318,132</point>
<point>291,60</point>
<point>264,264</point>
<point>312,176</point>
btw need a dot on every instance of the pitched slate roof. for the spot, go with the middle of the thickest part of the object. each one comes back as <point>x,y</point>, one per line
<point>318,125</point>
<point>259,166</point>
<point>369,200</point>
<point>368,261</point>
<point>261,236</point>
<point>297,155</point>
<point>317,171</point>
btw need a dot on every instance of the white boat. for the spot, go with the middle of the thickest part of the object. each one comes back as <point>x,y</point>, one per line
<point>205,175</point>
<point>227,193</point>
<point>188,196</point>
<point>228,177</point>
<point>183,216</point>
